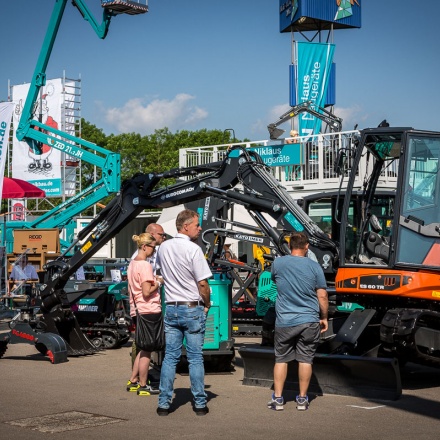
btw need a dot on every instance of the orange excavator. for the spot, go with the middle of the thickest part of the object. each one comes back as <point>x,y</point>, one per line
<point>392,265</point>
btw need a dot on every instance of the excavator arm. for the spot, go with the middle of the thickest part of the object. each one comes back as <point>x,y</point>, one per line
<point>324,115</point>
<point>240,178</point>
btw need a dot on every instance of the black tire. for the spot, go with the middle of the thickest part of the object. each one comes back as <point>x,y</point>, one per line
<point>97,342</point>
<point>3,348</point>
<point>109,341</point>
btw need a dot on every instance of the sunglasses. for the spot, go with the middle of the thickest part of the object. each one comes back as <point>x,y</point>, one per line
<point>150,246</point>
<point>162,235</point>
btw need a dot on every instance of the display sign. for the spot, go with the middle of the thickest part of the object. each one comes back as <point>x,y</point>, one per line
<point>42,170</point>
<point>313,15</point>
<point>313,64</point>
<point>279,155</point>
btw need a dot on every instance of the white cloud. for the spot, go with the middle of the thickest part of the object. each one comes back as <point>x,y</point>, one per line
<point>260,126</point>
<point>350,116</point>
<point>276,111</point>
<point>140,117</point>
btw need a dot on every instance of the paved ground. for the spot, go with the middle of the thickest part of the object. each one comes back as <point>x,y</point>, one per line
<point>85,398</point>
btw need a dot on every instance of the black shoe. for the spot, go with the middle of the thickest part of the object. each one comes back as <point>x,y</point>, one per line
<point>153,388</point>
<point>132,386</point>
<point>162,411</point>
<point>201,411</point>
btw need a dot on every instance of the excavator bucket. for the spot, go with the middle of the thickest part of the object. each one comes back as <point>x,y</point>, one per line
<point>274,132</point>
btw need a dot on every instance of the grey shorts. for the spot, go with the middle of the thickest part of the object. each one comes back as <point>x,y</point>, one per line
<point>297,343</point>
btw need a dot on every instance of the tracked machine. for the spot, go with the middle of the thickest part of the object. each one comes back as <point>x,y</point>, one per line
<point>392,266</point>
<point>389,263</point>
<point>393,275</point>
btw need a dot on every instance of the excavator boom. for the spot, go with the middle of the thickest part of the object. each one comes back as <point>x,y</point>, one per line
<point>324,115</point>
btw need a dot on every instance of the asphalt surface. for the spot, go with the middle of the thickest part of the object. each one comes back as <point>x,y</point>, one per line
<point>85,398</point>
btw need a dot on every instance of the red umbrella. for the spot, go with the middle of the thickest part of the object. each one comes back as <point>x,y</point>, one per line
<point>20,189</point>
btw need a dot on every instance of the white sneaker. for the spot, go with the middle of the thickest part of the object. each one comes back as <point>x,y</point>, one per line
<point>302,403</point>
<point>276,403</point>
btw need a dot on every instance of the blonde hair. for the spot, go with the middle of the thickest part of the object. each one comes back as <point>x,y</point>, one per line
<point>144,238</point>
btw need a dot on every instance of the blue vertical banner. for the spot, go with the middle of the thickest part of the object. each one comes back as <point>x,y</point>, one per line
<point>314,61</point>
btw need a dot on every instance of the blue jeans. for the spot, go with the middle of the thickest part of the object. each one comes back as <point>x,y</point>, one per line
<point>189,323</point>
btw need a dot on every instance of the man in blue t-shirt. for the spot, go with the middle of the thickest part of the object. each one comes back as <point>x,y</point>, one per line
<point>301,315</point>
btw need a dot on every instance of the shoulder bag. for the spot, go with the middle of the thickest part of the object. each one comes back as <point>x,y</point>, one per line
<point>149,335</point>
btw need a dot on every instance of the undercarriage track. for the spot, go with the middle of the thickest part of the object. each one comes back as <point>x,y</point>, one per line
<point>412,335</point>
<point>105,337</point>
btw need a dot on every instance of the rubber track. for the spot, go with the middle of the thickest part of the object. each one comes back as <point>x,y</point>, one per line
<point>92,332</point>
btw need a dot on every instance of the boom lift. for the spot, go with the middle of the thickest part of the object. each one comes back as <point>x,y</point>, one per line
<point>36,133</point>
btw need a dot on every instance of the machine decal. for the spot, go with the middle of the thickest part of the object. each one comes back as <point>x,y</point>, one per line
<point>87,308</point>
<point>248,238</point>
<point>294,222</point>
<point>379,282</point>
<point>179,192</point>
<point>23,335</point>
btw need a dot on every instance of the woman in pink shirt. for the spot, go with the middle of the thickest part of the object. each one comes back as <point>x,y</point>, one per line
<point>144,289</point>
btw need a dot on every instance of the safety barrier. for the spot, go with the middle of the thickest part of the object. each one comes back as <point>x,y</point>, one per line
<point>316,172</point>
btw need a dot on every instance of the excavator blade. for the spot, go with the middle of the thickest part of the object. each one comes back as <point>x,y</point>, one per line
<point>369,377</point>
<point>48,344</point>
<point>334,371</point>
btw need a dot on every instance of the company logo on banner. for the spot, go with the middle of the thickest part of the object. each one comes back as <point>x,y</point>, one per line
<point>42,170</point>
<point>278,155</point>
<point>313,71</point>
<point>5,124</point>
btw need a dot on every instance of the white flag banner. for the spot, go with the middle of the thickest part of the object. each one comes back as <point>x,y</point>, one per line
<point>5,124</point>
<point>42,170</point>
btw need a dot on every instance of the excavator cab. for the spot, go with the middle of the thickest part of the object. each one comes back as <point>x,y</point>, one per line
<point>406,234</point>
<point>395,267</point>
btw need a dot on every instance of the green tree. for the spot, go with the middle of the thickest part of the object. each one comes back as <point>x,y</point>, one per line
<point>152,153</point>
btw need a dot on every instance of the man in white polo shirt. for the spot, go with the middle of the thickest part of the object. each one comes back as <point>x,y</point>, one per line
<point>187,297</point>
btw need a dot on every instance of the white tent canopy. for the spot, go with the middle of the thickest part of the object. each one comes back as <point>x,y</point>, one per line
<point>168,221</point>
<point>168,216</point>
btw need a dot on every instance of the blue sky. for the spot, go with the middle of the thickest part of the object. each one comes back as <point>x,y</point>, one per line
<point>224,64</point>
